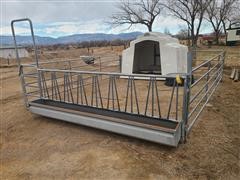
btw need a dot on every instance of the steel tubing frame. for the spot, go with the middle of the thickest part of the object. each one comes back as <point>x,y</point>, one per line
<point>210,78</point>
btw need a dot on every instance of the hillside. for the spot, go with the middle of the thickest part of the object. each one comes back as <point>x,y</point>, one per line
<point>76,38</point>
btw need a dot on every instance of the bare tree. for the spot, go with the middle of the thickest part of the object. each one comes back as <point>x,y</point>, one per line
<point>137,12</point>
<point>218,12</point>
<point>215,16</point>
<point>182,34</point>
<point>232,13</point>
<point>190,11</point>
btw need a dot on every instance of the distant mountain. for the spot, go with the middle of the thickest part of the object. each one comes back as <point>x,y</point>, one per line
<point>76,38</point>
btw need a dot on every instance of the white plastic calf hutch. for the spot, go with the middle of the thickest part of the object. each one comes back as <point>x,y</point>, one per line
<point>155,53</point>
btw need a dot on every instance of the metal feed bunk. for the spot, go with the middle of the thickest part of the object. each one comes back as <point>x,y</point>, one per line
<point>116,102</point>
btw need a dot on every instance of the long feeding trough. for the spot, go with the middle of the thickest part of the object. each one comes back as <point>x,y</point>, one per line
<point>138,105</point>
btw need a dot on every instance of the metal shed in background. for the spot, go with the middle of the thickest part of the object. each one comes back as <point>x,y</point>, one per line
<point>8,52</point>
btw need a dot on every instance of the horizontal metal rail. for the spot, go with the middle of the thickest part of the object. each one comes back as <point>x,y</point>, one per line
<point>207,50</point>
<point>60,61</point>
<point>204,63</point>
<point>211,80</point>
<point>199,102</point>
<point>68,60</point>
<point>203,76</point>
<point>200,111</point>
<point>203,87</point>
<point>29,65</point>
<point>108,73</point>
<point>31,86</point>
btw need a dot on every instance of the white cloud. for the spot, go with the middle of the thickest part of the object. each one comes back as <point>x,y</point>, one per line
<point>68,28</point>
<point>6,30</point>
<point>56,11</point>
<point>52,18</point>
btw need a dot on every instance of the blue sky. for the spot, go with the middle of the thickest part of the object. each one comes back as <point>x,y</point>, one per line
<point>56,18</point>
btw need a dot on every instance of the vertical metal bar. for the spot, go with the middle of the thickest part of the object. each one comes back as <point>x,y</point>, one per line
<point>186,98</point>
<point>152,97</point>
<point>96,91</point>
<point>68,94</point>
<point>82,89</point>
<point>52,85</point>
<point>185,108</point>
<point>99,91</point>
<point>59,94</point>
<point>34,44</point>
<point>131,94</point>
<point>117,94</point>
<point>70,67</point>
<point>126,103</point>
<point>36,55</point>
<point>219,62</point>
<point>71,87</point>
<point>171,99</point>
<point>113,95</point>
<point>48,94</point>
<point>135,92</point>
<point>109,92</point>
<point>21,74</point>
<point>177,102</point>
<point>207,78</point>
<point>189,64</point>
<point>78,82</point>
<point>64,86</point>
<point>148,94</point>
<point>158,102</point>
<point>92,90</point>
<point>45,84</point>
<point>44,92</point>
<point>56,86</point>
<point>222,63</point>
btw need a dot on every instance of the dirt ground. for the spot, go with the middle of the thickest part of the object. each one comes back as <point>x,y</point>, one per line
<point>34,147</point>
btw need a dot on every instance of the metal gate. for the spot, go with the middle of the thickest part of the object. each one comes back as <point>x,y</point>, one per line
<point>137,105</point>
